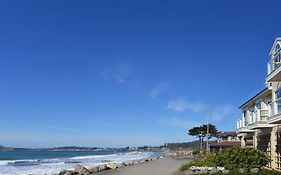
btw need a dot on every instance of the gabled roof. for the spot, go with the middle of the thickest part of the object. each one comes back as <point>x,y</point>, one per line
<point>278,39</point>
<point>255,97</point>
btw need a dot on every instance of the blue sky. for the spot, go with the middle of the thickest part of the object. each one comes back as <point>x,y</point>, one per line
<point>117,73</point>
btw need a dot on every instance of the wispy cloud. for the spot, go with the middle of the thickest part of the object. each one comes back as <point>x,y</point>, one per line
<point>217,113</point>
<point>221,112</point>
<point>157,91</point>
<point>180,105</point>
<point>178,122</point>
<point>118,71</point>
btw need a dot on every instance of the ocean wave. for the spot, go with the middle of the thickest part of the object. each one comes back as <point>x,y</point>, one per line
<point>51,166</point>
<point>93,157</point>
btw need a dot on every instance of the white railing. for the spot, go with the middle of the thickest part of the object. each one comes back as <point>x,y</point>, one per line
<point>273,65</point>
<point>255,116</point>
<point>259,115</point>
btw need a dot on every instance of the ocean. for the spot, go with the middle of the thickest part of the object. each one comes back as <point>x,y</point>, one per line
<point>50,162</point>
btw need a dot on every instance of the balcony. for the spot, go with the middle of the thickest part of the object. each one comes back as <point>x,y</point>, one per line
<point>275,117</point>
<point>274,71</point>
<point>259,120</point>
<point>242,127</point>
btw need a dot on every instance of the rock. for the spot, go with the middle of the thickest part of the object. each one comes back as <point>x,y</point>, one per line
<point>143,160</point>
<point>214,171</point>
<point>124,164</point>
<point>62,172</point>
<point>255,170</point>
<point>119,165</point>
<point>201,172</point>
<point>94,169</point>
<point>111,165</point>
<point>102,167</point>
<point>243,170</point>
<point>135,162</point>
<point>71,173</point>
<point>67,172</point>
<point>81,170</point>
<point>127,163</point>
<point>224,171</point>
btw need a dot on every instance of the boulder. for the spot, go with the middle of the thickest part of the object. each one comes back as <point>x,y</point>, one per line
<point>214,171</point>
<point>143,160</point>
<point>62,172</point>
<point>126,163</point>
<point>123,164</point>
<point>135,162</point>
<point>71,173</point>
<point>94,169</point>
<point>243,170</point>
<point>224,171</point>
<point>81,169</point>
<point>102,167</point>
<point>111,165</point>
<point>255,170</point>
<point>67,172</point>
<point>201,172</point>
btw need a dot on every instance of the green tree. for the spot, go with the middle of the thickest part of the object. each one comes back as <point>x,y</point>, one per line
<point>202,132</point>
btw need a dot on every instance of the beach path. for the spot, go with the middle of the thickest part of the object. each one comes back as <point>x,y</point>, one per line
<point>166,166</point>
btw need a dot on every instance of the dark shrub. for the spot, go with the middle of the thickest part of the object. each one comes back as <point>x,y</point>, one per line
<point>232,158</point>
<point>241,158</point>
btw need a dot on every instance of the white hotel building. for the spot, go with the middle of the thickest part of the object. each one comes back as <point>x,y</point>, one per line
<point>260,123</point>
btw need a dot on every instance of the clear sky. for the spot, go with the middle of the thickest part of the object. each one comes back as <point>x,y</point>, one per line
<point>117,73</point>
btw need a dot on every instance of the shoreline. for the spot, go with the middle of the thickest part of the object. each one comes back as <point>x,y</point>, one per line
<point>163,165</point>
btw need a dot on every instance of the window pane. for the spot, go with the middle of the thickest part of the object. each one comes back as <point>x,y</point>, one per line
<point>259,105</point>
<point>279,105</point>
<point>278,93</point>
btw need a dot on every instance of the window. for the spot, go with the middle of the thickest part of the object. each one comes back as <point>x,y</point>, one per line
<point>224,138</point>
<point>275,62</point>
<point>245,117</point>
<point>277,47</point>
<point>253,116</point>
<point>278,100</point>
<point>258,105</point>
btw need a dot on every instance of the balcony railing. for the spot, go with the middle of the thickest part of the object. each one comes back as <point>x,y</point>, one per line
<point>256,118</point>
<point>273,65</point>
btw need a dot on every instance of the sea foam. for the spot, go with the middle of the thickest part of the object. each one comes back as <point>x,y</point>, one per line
<point>53,166</point>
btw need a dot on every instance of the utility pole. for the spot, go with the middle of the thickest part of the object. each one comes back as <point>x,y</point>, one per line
<point>208,128</point>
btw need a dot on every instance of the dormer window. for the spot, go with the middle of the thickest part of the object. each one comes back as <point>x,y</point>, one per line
<point>277,47</point>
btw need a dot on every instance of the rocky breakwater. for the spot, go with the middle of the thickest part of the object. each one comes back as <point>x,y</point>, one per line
<point>81,170</point>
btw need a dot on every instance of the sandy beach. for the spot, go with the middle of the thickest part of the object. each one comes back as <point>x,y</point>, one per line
<point>166,166</point>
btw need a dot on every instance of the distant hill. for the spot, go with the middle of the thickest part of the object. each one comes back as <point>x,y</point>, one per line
<point>2,148</point>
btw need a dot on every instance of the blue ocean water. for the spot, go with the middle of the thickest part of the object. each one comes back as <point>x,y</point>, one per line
<point>51,162</point>
<point>30,154</point>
